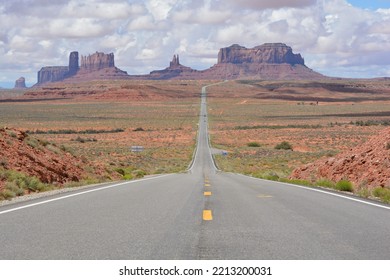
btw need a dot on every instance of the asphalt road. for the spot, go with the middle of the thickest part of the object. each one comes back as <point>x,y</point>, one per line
<point>201,214</point>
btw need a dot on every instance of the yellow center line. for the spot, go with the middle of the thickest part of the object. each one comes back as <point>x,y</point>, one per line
<point>207,185</point>
<point>207,215</point>
<point>207,193</point>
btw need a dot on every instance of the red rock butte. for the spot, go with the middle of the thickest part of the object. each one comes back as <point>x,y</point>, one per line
<point>270,61</point>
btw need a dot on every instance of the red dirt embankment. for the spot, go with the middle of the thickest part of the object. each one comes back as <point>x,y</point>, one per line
<point>368,164</point>
<point>34,157</point>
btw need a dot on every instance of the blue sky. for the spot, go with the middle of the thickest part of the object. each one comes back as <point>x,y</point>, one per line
<point>371,4</point>
<point>344,38</point>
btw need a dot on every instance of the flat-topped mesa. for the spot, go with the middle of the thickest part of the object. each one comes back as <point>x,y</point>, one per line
<point>269,53</point>
<point>97,61</point>
<point>59,73</point>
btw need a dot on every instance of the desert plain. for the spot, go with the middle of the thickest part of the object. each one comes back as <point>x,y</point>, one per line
<point>99,121</point>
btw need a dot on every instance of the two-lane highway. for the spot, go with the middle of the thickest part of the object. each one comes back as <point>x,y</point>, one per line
<point>201,214</point>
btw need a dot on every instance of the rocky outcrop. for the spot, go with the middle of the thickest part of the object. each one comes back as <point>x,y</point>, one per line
<point>175,61</point>
<point>97,61</point>
<point>52,74</point>
<point>271,53</point>
<point>175,70</point>
<point>73,63</point>
<point>95,66</point>
<point>26,154</point>
<point>271,61</point>
<point>367,164</point>
<point>59,73</point>
<point>20,83</point>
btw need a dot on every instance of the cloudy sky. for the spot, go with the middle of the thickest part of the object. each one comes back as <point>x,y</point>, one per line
<point>347,38</point>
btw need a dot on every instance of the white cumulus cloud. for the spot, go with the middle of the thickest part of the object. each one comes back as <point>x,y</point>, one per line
<point>333,36</point>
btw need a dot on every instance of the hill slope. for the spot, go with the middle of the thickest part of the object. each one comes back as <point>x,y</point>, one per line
<point>27,164</point>
<point>368,164</point>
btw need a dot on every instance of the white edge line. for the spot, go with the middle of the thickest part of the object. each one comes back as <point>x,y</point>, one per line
<point>79,193</point>
<point>321,191</point>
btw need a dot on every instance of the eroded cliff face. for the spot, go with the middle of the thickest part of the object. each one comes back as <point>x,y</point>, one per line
<point>271,53</point>
<point>90,67</point>
<point>97,61</point>
<point>52,74</point>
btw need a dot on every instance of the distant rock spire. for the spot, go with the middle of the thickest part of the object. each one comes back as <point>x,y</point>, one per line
<point>175,61</point>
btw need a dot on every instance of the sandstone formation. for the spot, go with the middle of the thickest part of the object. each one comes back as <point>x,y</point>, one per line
<point>367,164</point>
<point>175,70</point>
<point>59,73</point>
<point>73,63</point>
<point>52,74</point>
<point>20,83</point>
<point>91,68</point>
<point>97,61</point>
<point>277,53</point>
<point>271,61</point>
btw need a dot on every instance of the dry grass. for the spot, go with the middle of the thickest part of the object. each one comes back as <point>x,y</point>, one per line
<point>167,112</point>
<point>269,113</point>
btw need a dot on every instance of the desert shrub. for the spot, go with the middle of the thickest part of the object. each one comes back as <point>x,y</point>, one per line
<point>32,142</point>
<point>326,183</point>
<point>272,176</point>
<point>253,144</point>
<point>382,193</point>
<point>83,140</point>
<point>344,185</point>
<point>297,182</point>
<point>12,134</point>
<point>12,186</point>
<point>120,171</point>
<point>7,194</point>
<point>127,177</point>
<point>284,146</point>
<point>139,129</point>
<point>127,173</point>
<point>138,173</point>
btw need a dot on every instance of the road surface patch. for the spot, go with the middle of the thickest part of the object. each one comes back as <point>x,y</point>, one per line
<point>264,196</point>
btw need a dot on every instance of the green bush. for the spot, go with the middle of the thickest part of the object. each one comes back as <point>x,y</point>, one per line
<point>382,193</point>
<point>326,183</point>
<point>344,185</point>
<point>253,144</point>
<point>297,182</point>
<point>284,146</point>
<point>138,173</point>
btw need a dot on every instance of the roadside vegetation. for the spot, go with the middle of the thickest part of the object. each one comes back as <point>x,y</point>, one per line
<point>18,184</point>
<point>100,122</point>
<point>271,128</point>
